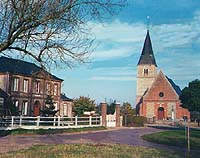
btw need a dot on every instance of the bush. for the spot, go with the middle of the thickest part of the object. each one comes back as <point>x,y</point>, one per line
<point>139,121</point>
<point>136,121</point>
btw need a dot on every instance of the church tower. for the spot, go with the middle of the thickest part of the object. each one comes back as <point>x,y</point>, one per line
<point>146,68</point>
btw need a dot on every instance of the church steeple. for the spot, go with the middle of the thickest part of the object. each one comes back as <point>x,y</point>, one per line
<point>147,56</point>
<point>146,68</point>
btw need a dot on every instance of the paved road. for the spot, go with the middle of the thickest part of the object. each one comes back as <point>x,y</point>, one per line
<point>130,136</point>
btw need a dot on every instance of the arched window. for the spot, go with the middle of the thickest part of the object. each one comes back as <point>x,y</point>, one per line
<point>145,72</point>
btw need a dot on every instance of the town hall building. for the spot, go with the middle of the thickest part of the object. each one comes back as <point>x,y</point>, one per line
<point>157,96</point>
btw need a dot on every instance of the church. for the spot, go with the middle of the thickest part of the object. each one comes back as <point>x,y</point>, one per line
<point>157,96</point>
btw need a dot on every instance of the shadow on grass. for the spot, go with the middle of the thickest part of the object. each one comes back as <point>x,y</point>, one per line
<point>177,138</point>
<point>172,127</point>
<point>47,131</point>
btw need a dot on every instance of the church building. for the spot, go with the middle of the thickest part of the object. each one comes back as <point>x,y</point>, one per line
<point>157,96</point>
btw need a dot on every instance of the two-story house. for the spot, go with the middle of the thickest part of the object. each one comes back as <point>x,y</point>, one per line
<point>28,86</point>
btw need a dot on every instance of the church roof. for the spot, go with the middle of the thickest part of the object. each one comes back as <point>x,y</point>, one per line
<point>175,87</point>
<point>147,56</point>
<point>20,67</point>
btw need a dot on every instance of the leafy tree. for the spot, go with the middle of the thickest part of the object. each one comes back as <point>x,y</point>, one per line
<point>127,112</point>
<point>7,108</point>
<point>12,109</point>
<point>51,32</point>
<point>190,97</point>
<point>49,108</point>
<point>127,109</point>
<point>83,104</point>
<point>111,108</point>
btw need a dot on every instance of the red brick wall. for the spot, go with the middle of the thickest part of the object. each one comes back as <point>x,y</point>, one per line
<point>161,84</point>
<point>103,114</point>
<point>117,110</point>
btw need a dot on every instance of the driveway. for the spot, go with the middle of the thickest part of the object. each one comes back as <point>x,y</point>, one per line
<point>129,136</point>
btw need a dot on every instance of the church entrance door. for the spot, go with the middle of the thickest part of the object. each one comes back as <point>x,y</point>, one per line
<point>161,113</point>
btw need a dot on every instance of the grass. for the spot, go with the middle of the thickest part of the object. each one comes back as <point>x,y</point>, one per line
<point>91,151</point>
<point>175,138</point>
<point>47,131</point>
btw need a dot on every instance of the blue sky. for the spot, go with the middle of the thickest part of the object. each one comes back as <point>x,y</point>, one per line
<point>111,74</point>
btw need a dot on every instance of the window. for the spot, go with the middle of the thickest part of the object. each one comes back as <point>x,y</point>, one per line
<point>25,108</point>
<point>16,84</point>
<point>1,102</point>
<point>55,92</point>
<point>161,94</point>
<point>65,110</point>
<point>37,87</point>
<point>25,88</point>
<point>56,106</point>
<point>145,72</point>
<point>16,103</point>
<point>1,105</point>
<point>48,88</point>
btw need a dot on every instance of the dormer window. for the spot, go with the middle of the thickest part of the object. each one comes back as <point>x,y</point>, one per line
<point>145,72</point>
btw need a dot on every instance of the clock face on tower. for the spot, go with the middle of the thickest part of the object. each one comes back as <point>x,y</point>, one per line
<point>161,94</point>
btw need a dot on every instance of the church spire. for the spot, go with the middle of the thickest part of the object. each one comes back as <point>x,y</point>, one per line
<point>147,56</point>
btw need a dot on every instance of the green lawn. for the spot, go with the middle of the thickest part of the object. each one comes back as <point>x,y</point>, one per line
<point>175,138</point>
<point>47,131</point>
<point>91,151</point>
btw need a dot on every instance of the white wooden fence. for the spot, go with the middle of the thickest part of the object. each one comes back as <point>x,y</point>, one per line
<point>49,122</point>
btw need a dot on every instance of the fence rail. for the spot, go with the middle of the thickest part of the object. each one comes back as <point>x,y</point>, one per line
<point>13,122</point>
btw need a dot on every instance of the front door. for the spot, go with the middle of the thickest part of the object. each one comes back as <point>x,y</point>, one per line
<point>161,113</point>
<point>36,109</point>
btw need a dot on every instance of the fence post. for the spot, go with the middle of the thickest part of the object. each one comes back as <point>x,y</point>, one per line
<point>12,123</point>
<point>59,121</point>
<point>117,112</point>
<point>54,120</point>
<point>76,120</point>
<point>20,120</point>
<point>100,121</point>
<point>104,113</point>
<point>90,120</point>
<point>38,121</point>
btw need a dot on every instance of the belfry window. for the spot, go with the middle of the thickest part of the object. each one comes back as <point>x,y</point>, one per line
<point>145,72</point>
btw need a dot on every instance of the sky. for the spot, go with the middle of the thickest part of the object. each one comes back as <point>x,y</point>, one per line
<point>111,74</point>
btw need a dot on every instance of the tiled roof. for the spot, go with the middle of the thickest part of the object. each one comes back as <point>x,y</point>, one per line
<point>176,87</point>
<point>147,56</point>
<point>65,98</point>
<point>21,67</point>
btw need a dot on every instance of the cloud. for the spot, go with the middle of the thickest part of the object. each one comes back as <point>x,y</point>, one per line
<point>116,78</point>
<point>111,53</point>
<point>117,31</point>
<point>114,74</point>
<point>119,39</point>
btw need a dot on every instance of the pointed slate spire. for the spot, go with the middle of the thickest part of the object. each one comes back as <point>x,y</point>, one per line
<point>147,56</point>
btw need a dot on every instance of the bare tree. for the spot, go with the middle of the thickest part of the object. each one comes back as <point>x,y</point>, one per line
<point>51,32</point>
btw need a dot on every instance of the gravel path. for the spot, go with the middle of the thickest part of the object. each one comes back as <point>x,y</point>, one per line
<point>129,136</point>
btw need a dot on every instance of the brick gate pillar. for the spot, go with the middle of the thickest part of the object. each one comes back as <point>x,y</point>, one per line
<point>104,113</point>
<point>117,110</point>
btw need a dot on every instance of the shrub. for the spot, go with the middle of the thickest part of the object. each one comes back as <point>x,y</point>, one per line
<point>139,121</point>
<point>136,121</point>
